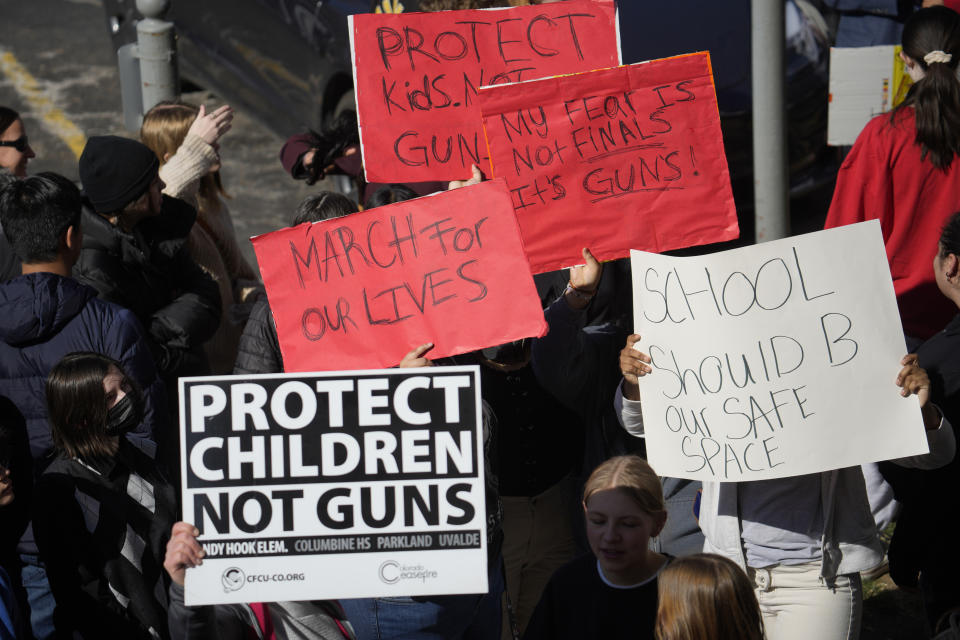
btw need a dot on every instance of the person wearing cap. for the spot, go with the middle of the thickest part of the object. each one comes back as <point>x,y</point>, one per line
<point>134,254</point>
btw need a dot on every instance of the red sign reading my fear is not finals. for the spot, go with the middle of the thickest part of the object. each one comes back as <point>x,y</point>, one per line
<point>613,159</point>
<point>361,291</point>
<point>416,77</point>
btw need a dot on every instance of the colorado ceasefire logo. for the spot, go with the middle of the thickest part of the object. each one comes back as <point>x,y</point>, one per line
<point>232,579</point>
<point>392,572</point>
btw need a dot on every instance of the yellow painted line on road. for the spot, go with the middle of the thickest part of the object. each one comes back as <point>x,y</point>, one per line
<point>53,118</point>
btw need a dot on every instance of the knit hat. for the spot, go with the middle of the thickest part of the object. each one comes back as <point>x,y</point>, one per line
<point>115,171</point>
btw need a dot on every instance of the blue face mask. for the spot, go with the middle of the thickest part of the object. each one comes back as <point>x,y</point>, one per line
<point>124,416</point>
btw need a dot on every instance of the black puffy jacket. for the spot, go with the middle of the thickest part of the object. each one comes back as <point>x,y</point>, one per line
<point>150,272</point>
<point>259,348</point>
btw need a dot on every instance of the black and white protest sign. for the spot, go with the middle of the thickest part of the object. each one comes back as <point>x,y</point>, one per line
<point>334,485</point>
<point>773,360</point>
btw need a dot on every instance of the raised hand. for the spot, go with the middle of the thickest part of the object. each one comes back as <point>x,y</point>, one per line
<point>210,127</point>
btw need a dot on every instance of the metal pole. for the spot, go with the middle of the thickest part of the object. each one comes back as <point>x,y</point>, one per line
<point>157,48</point>
<point>771,178</point>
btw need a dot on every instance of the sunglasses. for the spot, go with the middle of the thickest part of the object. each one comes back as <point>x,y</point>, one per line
<point>20,144</point>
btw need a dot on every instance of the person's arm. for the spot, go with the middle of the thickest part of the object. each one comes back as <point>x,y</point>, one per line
<point>568,360</point>
<point>633,365</point>
<point>913,380</point>
<point>181,173</point>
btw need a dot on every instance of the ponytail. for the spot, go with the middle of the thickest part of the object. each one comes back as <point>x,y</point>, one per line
<point>936,98</point>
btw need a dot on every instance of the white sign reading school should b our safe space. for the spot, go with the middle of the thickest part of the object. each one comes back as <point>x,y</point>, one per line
<point>773,360</point>
<point>334,485</point>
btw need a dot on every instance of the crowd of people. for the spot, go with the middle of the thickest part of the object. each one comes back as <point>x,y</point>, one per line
<point>111,291</point>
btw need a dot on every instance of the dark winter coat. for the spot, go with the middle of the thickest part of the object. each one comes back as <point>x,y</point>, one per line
<point>150,272</point>
<point>102,528</point>
<point>43,317</point>
<point>9,262</point>
<point>259,348</point>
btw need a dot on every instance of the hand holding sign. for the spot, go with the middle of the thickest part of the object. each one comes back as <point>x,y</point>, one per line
<point>634,365</point>
<point>914,380</point>
<point>584,281</point>
<point>183,551</point>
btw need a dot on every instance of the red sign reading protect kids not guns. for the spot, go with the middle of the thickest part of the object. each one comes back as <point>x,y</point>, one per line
<point>614,159</point>
<point>416,77</point>
<point>361,291</point>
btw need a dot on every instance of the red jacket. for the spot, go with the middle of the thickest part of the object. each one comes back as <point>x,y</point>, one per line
<point>883,177</point>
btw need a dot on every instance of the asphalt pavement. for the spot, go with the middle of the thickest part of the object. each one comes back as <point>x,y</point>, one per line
<point>58,69</point>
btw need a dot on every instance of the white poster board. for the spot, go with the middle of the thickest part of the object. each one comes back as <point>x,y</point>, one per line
<point>334,485</point>
<point>773,360</point>
<point>864,82</point>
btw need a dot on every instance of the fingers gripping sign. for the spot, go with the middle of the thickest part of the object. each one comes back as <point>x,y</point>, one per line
<point>913,380</point>
<point>634,365</point>
<point>183,551</point>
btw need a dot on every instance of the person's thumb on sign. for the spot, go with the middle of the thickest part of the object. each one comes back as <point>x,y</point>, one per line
<point>584,281</point>
<point>183,551</point>
<point>475,178</point>
<point>417,357</point>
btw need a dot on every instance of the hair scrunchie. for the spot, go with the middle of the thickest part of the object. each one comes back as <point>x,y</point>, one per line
<point>937,56</point>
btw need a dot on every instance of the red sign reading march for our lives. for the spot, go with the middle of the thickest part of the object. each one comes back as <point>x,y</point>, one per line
<point>416,77</point>
<point>614,159</point>
<point>361,291</point>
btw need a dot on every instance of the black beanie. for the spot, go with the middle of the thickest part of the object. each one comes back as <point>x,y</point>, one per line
<point>115,171</point>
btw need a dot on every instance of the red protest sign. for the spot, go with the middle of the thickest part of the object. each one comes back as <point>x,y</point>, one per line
<point>416,77</point>
<point>361,291</point>
<point>614,159</point>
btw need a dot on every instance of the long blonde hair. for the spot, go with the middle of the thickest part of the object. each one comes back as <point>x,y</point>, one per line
<point>707,597</point>
<point>163,131</point>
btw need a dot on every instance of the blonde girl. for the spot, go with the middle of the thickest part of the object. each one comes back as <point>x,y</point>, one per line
<point>185,139</point>
<point>611,593</point>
